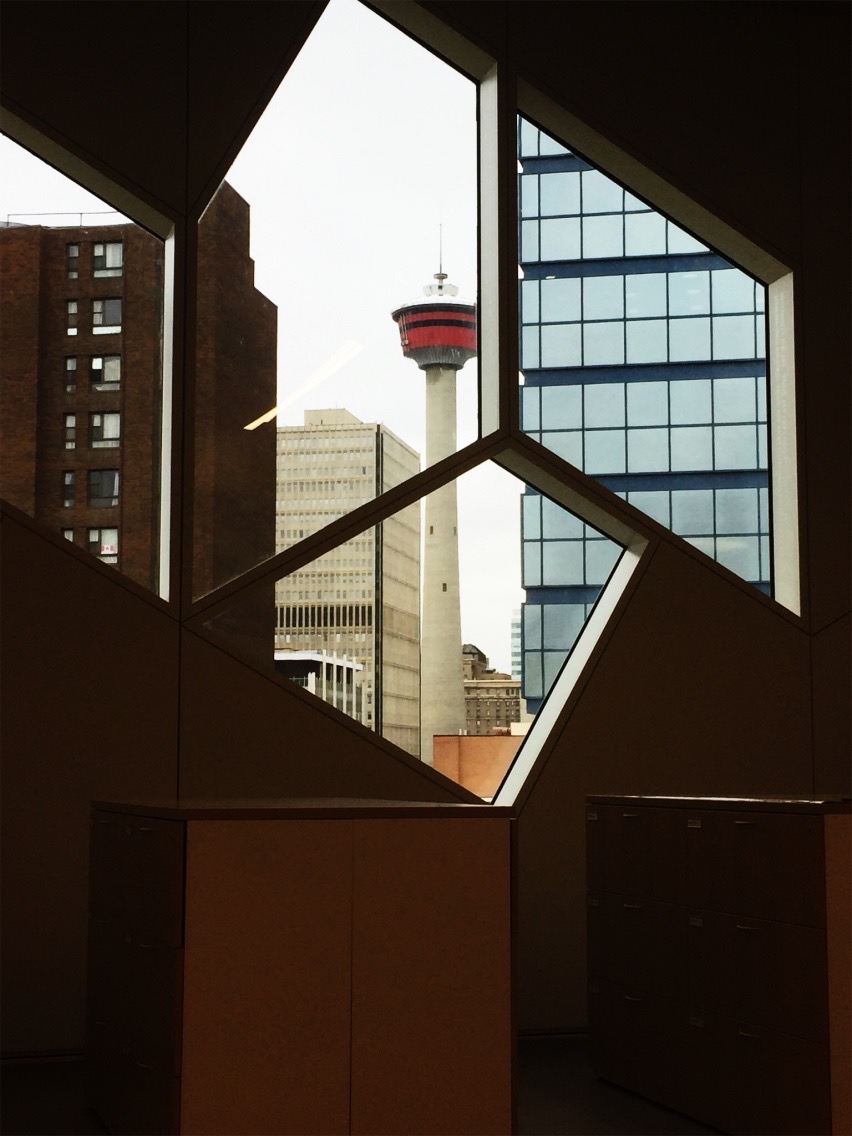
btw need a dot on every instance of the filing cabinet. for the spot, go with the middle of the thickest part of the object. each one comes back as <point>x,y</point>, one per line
<point>300,967</point>
<point>715,945</point>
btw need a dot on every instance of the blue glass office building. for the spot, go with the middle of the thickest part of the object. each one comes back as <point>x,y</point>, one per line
<point>643,361</point>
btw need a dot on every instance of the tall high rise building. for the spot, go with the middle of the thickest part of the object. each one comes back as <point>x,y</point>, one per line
<point>81,372</point>
<point>643,357</point>
<point>354,613</point>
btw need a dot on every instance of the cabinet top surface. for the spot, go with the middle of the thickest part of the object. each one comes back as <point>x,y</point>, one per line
<point>301,808</point>
<point>749,804</point>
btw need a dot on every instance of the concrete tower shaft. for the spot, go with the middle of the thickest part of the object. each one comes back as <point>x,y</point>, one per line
<point>439,333</point>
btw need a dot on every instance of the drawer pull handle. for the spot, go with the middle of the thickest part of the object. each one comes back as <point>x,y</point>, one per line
<point>696,921</point>
<point>693,823</point>
<point>591,814</point>
<point>104,921</point>
<point>750,823</point>
<point>146,946</point>
<point>632,998</point>
<point>630,816</point>
<point>142,828</point>
<point>142,1065</point>
<point>633,906</point>
<point>745,927</point>
<point>747,1033</point>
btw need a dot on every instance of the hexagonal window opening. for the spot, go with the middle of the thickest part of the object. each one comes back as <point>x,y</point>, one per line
<point>438,628</point>
<point>82,368</point>
<point>310,401</point>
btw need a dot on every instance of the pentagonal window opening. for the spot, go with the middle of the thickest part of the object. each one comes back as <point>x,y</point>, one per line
<point>355,282</point>
<point>418,627</point>
<point>86,364</point>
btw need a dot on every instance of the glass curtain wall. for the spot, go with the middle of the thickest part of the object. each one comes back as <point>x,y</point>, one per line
<point>643,359</point>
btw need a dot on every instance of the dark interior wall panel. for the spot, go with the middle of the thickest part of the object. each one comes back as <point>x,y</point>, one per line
<point>89,711</point>
<point>702,690</point>
<point>238,53</point>
<point>698,94</point>
<point>832,684</point>
<point>242,735</point>
<point>823,306</point>
<point>99,78</point>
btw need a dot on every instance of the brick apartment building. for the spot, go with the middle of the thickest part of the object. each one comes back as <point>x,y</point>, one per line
<point>81,378</point>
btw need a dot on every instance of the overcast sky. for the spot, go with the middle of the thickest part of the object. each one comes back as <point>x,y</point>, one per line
<point>368,147</point>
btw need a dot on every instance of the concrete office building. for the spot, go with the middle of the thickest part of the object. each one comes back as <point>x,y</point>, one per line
<point>81,371</point>
<point>492,699</point>
<point>438,331</point>
<point>362,601</point>
<point>644,362</point>
<point>700,686</point>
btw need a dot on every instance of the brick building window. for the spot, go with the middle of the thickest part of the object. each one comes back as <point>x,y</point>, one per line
<point>68,484</point>
<point>106,372</point>
<point>70,374</point>
<point>72,261</point>
<point>108,258</point>
<point>103,487</point>
<point>106,316</point>
<point>71,317</point>
<point>104,431</point>
<point>68,534</point>
<point>103,543</point>
<point>70,431</point>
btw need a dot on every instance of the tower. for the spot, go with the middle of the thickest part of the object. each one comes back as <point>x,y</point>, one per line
<point>438,331</point>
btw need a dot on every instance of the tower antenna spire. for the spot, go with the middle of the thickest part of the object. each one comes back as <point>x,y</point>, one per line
<point>441,248</point>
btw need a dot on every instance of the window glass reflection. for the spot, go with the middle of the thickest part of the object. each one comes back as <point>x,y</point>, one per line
<point>734,399</point>
<point>646,294</point>
<point>562,407</point>
<point>603,297</point>
<point>560,240</point>
<point>689,338</point>
<point>645,235</point>
<point>559,194</point>
<point>689,293</point>
<point>692,511</point>
<point>692,448</point>
<point>648,404</point>
<point>560,345</point>
<point>647,451</point>
<point>560,300</point>
<point>691,401</point>
<point>601,194</point>
<point>604,451</point>
<point>604,405</point>
<point>647,341</point>
<point>603,236</point>
<point>733,337</point>
<point>603,344</point>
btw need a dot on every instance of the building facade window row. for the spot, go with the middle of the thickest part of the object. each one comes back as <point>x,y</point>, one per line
<point>101,488</point>
<point>106,316</point>
<point>107,258</point>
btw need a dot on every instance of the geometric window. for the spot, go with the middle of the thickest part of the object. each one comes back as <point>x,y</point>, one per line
<point>70,374</point>
<point>68,486</point>
<point>108,258</point>
<point>106,316</point>
<point>106,372</point>
<point>103,487</point>
<point>72,261</point>
<point>70,431</point>
<point>643,355</point>
<point>104,431</point>
<point>71,317</point>
<point>103,543</point>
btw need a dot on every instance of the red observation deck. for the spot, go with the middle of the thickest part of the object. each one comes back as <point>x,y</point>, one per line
<point>438,330</point>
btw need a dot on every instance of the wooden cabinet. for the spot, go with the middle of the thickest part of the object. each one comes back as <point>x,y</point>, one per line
<point>311,967</point>
<point>710,973</point>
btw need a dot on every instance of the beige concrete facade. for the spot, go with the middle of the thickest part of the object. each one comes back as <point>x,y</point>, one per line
<point>361,601</point>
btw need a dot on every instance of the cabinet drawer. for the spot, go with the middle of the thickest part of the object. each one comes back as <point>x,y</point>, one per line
<point>740,1078</point>
<point>136,989</point>
<point>772,974</point>
<point>769,865</point>
<point>631,1039</point>
<point>132,1096</point>
<point>637,943</point>
<point>136,874</point>
<point>636,850</point>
